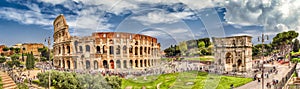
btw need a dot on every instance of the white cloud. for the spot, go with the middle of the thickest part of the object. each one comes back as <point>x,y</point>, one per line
<point>25,17</point>
<point>162,17</point>
<point>275,15</point>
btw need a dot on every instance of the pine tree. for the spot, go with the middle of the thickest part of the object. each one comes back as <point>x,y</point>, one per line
<point>28,61</point>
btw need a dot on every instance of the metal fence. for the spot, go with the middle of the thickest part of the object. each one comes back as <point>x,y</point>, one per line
<point>285,78</point>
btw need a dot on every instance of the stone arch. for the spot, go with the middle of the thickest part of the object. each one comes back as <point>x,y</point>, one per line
<point>87,64</point>
<point>118,64</point>
<point>118,49</point>
<point>130,64</point>
<point>145,63</point>
<point>141,50</point>
<point>124,49</point>
<point>111,49</point>
<point>105,64</point>
<point>239,63</point>
<point>112,64</point>
<point>148,62</point>
<point>95,64</point>
<point>104,49</point>
<point>68,64</point>
<point>148,50</point>
<point>68,49</point>
<point>136,50</point>
<point>75,64</point>
<point>141,63</point>
<point>136,63</point>
<point>98,49</point>
<point>87,48</point>
<point>124,64</point>
<point>130,49</point>
<point>228,58</point>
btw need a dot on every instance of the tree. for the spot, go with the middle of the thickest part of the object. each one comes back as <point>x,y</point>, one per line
<point>183,47</point>
<point>283,41</point>
<point>88,81</point>
<point>5,49</point>
<point>2,59</point>
<point>30,61</point>
<point>17,50</point>
<point>12,49</point>
<point>114,81</point>
<point>296,45</point>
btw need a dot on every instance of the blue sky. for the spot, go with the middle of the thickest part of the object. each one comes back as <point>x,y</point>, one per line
<point>23,21</point>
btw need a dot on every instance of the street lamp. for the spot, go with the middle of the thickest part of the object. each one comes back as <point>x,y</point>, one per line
<point>262,69</point>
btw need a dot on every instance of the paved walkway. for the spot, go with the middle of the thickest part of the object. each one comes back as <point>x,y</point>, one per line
<point>282,71</point>
<point>8,83</point>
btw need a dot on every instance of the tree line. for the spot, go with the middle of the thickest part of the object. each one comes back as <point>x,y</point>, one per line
<point>197,47</point>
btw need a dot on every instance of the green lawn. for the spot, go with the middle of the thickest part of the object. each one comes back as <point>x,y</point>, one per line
<point>202,58</point>
<point>1,85</point>
<point>198,80</point>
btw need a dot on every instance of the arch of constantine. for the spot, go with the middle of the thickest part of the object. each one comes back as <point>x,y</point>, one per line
<point>233,54</point>
<point>103,50</point>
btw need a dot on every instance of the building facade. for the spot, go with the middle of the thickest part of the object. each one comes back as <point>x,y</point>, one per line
<point>32,47</point>
<point>103,50</point>
<point>233,54</point>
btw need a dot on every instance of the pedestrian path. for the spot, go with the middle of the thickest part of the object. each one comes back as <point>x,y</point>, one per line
<point>7,82</point>
<point>258,85</point>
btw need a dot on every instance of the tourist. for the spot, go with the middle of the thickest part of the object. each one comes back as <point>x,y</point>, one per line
<point>258,80</point>
<point>231,86</point>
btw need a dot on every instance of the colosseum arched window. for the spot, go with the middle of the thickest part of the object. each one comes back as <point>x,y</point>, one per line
<point>87,48</point>
<point>118,49</point>
<point>145,63</point>
<point>105,64</point>
<point>111,49</point>
<point>130,64</point>
<point>124,64</point>
<point>136,43</point>
<point>136,63</point>
<point>130,49</point>
<point>95,64</point>
<point>87,64</point>
<point>98,49</point>
<point>136,50</point>
<point>124,49</point>
<point>141,50</point>
<point>141,63</point>
<point>118,64</point>
<point>104,49</point>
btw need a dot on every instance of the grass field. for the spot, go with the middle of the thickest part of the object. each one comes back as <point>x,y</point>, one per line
<point>185,80</point>
<point>1,85</point>
<point>201,58</point>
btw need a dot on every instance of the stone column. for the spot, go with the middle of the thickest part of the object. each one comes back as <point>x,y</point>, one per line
<point>72,64</point>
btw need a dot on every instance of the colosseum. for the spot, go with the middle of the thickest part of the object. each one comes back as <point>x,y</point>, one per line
<point>103,50</point>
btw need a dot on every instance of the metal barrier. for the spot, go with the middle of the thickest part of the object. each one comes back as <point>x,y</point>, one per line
<point>285,79</point>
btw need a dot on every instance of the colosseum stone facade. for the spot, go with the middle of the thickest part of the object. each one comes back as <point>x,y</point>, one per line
<point>103,50</point>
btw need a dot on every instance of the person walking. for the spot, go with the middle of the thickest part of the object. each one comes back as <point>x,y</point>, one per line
<point>231,86</point>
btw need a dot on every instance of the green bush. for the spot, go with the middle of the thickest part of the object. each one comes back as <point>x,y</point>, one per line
<point>22,86</point>
<point>37,82</point>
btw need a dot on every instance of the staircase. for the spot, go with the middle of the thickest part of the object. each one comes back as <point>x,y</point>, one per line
<point>7,82</point>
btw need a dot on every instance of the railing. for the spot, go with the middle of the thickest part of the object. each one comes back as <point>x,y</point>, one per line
<point>285,78</point>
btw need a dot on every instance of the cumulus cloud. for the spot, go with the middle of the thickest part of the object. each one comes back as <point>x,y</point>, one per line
<point>275,15</point>
<point>159,17</point>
